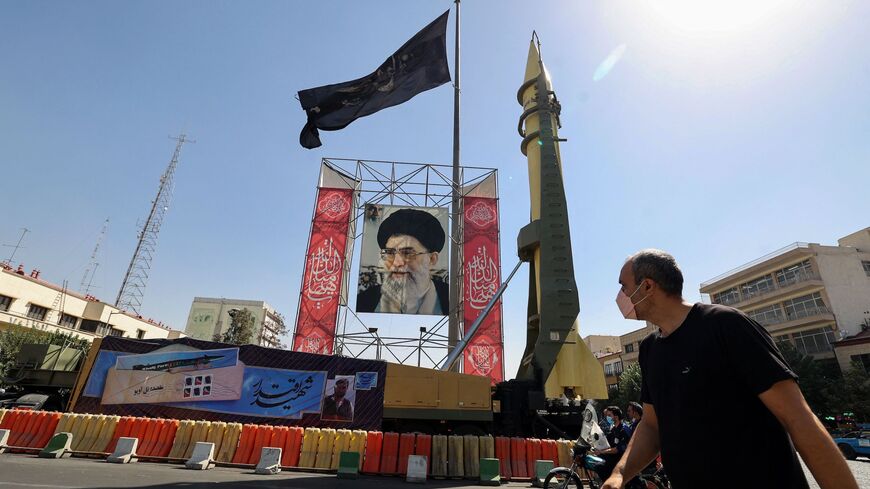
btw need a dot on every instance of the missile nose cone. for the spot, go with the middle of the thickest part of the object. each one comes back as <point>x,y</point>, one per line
<point>533,62</point>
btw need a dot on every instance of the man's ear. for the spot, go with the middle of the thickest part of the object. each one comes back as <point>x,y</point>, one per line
<point>433,259</point>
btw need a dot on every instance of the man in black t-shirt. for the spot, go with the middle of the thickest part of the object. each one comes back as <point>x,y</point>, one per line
<point>717,394</point>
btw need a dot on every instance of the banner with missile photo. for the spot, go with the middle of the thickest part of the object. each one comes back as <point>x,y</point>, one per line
<point>189,378</point>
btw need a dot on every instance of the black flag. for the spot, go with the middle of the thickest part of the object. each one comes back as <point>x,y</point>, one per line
<point>419,65</point>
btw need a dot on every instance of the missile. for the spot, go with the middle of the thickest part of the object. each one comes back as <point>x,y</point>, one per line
<point>178,365</point>
<point>554,353</point>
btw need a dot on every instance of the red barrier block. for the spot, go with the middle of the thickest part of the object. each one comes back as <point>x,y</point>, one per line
<point>533,454</point>
<point>519,466</point>
<point>292,447</point>
<point>423,448</point>
<point>390,454</point>
<point>503,454</point>
<point>406,448</point>
<point>372,458</point>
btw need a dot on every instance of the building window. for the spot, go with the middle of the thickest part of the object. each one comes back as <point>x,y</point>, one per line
<point>730,296</point>
<point>794,274</point>
<point>805,306</point>
<point>5,302</point>
<point>866,265</point>
<point>629,348</point>
<point>814,340</point>
<point>37,312</point>
<point>89,325</point>
<point>68,321</point>
<point>617,368</point>
<point>116,332</point>
<point>768,315</point>
<point>140,334</point>
<point>757,287</point>
<point>608,369</point>
<point>863,359</point>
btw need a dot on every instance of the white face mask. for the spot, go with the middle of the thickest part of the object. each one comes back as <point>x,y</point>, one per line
<point>626,306</point>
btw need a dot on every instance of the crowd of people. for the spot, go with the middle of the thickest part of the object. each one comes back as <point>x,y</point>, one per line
<point>618,426</point>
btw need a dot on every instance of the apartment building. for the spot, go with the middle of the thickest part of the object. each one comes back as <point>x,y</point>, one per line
<point>601,345</point>
<point>630,343</point>
<point>612,364</point>
<point>210,316</point>
<point>805,294</point>
<point>27,300</point>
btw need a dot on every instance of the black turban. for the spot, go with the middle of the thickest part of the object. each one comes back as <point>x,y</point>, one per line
<point>412,222</point>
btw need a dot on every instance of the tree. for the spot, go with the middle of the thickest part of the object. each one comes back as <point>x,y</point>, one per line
<point>855,394</point>
<point>241,330</point>
<point>12,339</point>
<point>820,381</point>
<point>628,388</point>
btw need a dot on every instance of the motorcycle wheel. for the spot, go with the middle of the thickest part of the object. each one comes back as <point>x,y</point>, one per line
<point>562,479</point>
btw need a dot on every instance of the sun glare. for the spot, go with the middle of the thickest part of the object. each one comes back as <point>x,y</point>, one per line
<point>714,15</point>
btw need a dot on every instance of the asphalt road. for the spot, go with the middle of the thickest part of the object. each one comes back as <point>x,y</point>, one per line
<point>28,472</point>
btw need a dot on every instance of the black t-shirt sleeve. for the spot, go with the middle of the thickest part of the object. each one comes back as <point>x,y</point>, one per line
<point>750,351</point>
<point>642,359</point>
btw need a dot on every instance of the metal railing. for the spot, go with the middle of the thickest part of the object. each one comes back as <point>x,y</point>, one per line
<point>751,264</point>
<point>784,318</point>
<point>777,287</point>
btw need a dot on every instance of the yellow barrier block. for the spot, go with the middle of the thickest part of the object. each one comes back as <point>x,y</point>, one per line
<point>358,444</point>
<point>104,435</point>
<point>229,442</point>
<point>565,447</point>
<point>81,430</point>
<point>341,444</point>
<point>200,433</point>
<point>324,449</point>
<point>182,439</point>
<point>487,447</point>
<point>309,447</point>
<point>2,413</point>
<point>216,434</point>
<point>65,420</point>
<point>471,456</point>
<point>94,429</point>
<point>439,456</point>
<point>455,457</point>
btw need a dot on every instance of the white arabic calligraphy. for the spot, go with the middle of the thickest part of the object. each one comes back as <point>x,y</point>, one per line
<point>324,273</point>
<point>482,278</point>
<point>483,358</point>
<point>333,205</point>
<point>480,213</point>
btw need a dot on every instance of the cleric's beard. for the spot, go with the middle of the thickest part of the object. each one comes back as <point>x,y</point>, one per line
<point>404,291</point>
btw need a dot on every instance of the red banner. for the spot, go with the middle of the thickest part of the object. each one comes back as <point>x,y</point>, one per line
<point>324,272</point>
<point>484,354</point>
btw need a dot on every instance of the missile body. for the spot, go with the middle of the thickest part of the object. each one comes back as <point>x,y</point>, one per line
<point>553,344</point>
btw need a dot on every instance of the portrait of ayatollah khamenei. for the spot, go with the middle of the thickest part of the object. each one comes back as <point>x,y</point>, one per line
<point>404,261</point>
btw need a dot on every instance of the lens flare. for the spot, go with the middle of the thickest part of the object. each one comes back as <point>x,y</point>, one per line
<point>607,65</point>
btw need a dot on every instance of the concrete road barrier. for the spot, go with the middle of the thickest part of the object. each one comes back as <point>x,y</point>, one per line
<point>201,457</point>
<point>125,450</point>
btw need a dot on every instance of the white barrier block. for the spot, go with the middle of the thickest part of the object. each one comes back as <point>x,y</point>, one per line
<point>417,467</point>
<point>202,456</point>
<point>270,461</point>
<point>4,440</point>
<point>124,452</point>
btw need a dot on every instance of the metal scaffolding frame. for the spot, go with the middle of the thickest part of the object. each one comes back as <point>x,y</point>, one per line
<point>405,184</point>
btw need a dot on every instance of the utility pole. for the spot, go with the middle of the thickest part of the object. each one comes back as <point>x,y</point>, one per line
<point>93,264</point>
<point>136,278</point>
<point>15,248</point>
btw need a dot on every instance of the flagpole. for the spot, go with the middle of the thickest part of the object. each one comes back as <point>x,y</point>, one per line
<point>456,231</point>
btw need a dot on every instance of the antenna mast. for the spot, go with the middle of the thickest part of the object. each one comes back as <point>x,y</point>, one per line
<point>136,278</point>
<point>16,247</point>
<point>85,288</point>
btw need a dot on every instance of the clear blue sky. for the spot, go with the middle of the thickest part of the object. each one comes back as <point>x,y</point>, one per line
<point>719,134</point>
